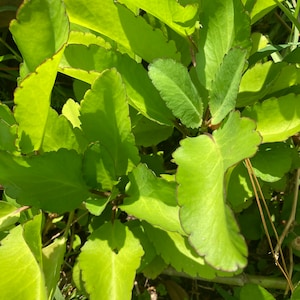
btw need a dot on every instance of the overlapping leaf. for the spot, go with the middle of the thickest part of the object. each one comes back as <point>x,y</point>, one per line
<point>152,199</point>
<point>105,118</point>
<point>212,230</point>
<point>181,19</point>
<point>108,262</point>
<point>8,215</point>
<point>225,87</point>
<point>177,89</point>
<point>40,30</point>
<point>276,118</point>
<point>121,25</point>
<point>20,269</point>
<point>142,94</point>
<point>225,25</point>
<point>52,181</point>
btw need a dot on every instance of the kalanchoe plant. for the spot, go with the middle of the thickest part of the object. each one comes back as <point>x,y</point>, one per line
<point>182,115</point>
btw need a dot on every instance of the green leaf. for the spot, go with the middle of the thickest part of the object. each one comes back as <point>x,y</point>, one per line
<point>9,215</point>
<point>276,118</point>
<point>260,9</point>
<point>52,181</point>
<point>201,188</point>
<point>32,234</point>
<point>121,25</point>
<point>32,99</point>
<point>152,199</point>
<point>20,277</point>
<point>178,91</point>
<point>71,110</point>
<point>272,161</point>
<point>59,133</point>
<point>105,118</point>
<point>252,291</point>
<point>176,251</point>
<point>98,167</point>
<point>225,25</point>
<point>225,87</point>
<point>108,261</point>
<point>40,30</point>
<point>53,258</point>
<point>146,132</point>
<point>181,19</point>
<point>142,95</point>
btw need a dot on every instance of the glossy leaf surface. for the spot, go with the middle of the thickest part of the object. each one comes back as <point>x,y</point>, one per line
<point>108,262</point>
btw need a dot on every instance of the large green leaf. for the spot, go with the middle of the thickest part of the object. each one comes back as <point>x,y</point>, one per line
<point>32,99</point>
<point>108,262</point>
<point>176,251</point>
<point>202,162</point>
<point>20,277</point>
<point>105,118</point>
<point>276,118</point>
<point>152,199</point>
<point>121,25</point>
<point>181,19</point>
<point>51,181</point>
<point>177,89</point>
<point>40,30</point>
<point>225,24</point>
<point>53,257</point>
<point>141,92</point>
<point>225,87</point>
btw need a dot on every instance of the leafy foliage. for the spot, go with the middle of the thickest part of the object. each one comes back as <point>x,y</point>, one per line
<point>172,117</point>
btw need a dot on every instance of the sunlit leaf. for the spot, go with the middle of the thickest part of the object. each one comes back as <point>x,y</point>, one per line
<point>202,199</point>
<point>276,118</point>
<point>20,277</point>
<point>8,215</point>
<point>40,30</point>
<point>108,262</point>
<point>178,91</point>
<point>105,119</point>
<point>152,199</point>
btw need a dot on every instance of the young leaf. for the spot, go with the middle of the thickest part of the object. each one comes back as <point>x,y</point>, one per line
<point>108,262</point>
<point>201,191</point>
<point>225,25</point>
<point>32,99</point>
<point>105,118</point>
<point>142,95</point>
<point>8,215</point>
<point>40,30</point>
<point>121,25</point>
<point>152,199</point>
<point>52,181</point>
<point>181,19</point>
<point>20,277</point>
<point>225,87</point>
<point>71,110</point>
<point>276,118</point>
<point>177,89</point>
<point>53,257</point>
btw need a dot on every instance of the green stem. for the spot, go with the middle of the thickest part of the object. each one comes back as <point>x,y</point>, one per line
<point>69,223</point>
<point>17,56</point>
<point>238,280</point>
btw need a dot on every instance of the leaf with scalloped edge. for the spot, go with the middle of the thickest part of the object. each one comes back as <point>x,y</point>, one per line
<point>202,163</point>
<point>176,88</point>
<point>277,118</point>
<point>142,95</point>
<point>121,25</point>
<point>152,199</point>
<point>182,19</point>
<point>108,262</point>
<point>104,117</point>
<point>40,30</point>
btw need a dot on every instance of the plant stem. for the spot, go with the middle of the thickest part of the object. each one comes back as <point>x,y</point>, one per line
<point>238,280</point>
